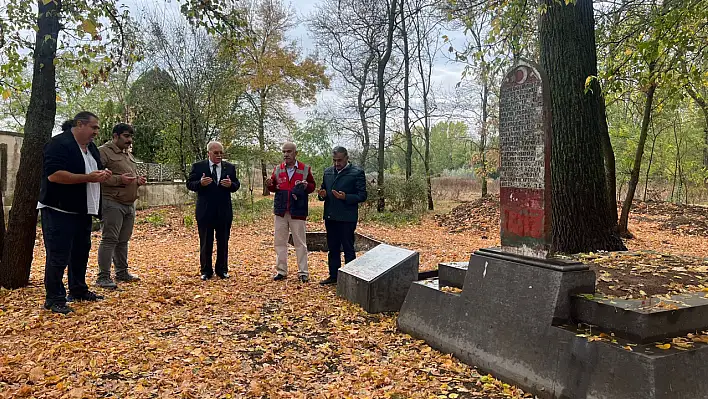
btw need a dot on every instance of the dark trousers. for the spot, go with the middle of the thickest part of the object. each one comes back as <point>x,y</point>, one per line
<point>340,238</point>
<point>67,239</point>
<point>206,246</point>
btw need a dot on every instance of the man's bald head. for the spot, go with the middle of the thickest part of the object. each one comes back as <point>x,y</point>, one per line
<point>289,153</point>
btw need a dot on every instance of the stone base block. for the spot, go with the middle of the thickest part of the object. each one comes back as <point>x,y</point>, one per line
<point>507,321</point>
<point>452,274</point>
<point>379,280</point>
<point>643,320</point>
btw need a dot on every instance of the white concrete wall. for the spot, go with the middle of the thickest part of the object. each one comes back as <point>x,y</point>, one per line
<point>14,143</point>
<point>163,193</point>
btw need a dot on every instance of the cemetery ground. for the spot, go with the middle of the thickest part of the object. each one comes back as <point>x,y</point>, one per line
<point>173,336</point>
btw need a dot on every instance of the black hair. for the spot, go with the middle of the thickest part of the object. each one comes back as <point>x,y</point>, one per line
<point>83,116</point>
<point>340,150</point>
<point>122,128</point>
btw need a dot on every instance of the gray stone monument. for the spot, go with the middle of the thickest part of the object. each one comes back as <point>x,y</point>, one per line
<point>380,279</point>
<point>518,313</point>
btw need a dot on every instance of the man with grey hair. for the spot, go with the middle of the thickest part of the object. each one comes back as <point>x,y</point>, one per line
<point>291,182</point>
<point>343,188</point>
<point>213,180</point>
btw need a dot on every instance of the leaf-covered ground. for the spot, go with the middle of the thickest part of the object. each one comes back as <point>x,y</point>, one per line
<point>174,336</point>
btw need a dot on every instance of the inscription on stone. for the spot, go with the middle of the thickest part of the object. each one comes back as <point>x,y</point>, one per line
<point>521,137</point>
<point>525,142</point>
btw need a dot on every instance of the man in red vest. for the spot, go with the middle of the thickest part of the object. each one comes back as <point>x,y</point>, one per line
<point>291,182</point>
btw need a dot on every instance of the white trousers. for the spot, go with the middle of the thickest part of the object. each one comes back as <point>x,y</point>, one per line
<point>284,226</point>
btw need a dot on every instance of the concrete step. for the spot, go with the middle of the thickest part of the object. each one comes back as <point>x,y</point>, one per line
<point>452,274</point>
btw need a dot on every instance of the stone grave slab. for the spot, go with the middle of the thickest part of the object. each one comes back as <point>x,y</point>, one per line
<point>379,279</point>
<point>643,320</point>
<point>317,242</point>
<point>452,274</point>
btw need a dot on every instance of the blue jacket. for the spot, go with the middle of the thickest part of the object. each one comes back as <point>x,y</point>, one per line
<point>352,181</point>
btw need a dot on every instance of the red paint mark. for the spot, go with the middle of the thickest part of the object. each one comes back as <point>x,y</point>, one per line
<point>522,212</point>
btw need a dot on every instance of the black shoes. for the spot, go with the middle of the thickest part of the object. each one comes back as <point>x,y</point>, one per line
<point>304,279</point>
<point>278,277</point>
<point>86,297</point>
<point>127,278</point>
<point>58,308</point>
<point>205,277</point>
<point>329,281</point>
<point>224,276</point>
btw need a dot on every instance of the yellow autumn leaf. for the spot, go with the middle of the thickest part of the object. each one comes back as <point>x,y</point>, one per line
<point>663,346</point>
<point>453,396</point>
<point>89,26</point>
<point>628,51</point>
<point>58,98</point>
<point>6,94</point>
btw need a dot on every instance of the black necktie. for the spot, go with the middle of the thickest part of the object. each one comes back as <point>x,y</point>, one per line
<point>213,174</point>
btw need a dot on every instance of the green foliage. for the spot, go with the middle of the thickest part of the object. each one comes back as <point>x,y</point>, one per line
<point>450,148</point>
<point>155,219</point>
<point>314,144</point>
<point>401,194</point>
<point>188,219</point>
<point>247,210</point>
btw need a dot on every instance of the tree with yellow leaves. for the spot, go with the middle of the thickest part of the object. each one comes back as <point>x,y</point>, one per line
<point>273,72</point>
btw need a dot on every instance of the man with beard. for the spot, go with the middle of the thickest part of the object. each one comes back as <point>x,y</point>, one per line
<point>119,194</point>
<point>70,195</point>
<point>343,189</point>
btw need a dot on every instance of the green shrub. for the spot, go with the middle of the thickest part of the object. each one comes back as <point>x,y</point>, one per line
<point>247,211</point>
<point>188,219</point>
<point>156,219</point>
<point>401,194</point>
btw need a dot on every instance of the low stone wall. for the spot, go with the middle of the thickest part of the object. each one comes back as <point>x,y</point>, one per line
<point>163,193</point>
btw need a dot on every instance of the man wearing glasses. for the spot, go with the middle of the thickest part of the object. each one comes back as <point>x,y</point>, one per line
<point>213,180</point>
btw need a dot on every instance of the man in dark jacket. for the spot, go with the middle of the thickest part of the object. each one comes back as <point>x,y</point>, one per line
<point>213,180</point>
<point>291,182</point>
<point>70,195</point>
<point>343,188</point>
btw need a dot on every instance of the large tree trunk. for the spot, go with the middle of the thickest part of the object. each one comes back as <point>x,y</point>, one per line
<point>636,167</point>
<point>581,220</point>
<point>608,155</point>
<point>22,227</point>
<point>380,82</point>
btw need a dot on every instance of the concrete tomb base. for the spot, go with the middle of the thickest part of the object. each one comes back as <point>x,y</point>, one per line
<point>317,241</point>
<point>513,319</point>
<point>379,280</point>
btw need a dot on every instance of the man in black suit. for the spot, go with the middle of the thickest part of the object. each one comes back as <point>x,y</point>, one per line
<point>213,180</point>
<point>70,195</point>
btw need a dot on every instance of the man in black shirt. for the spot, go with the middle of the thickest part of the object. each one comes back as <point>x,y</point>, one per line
<point>70,195</point>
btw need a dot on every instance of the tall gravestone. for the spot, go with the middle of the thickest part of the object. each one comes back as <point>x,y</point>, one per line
<point>519,310</point>
<point>525,167</point>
